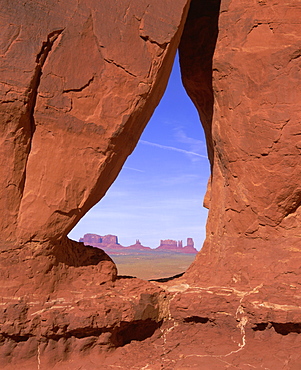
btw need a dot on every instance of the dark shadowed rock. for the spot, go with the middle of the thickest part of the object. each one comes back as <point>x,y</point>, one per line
<point>244,80</point>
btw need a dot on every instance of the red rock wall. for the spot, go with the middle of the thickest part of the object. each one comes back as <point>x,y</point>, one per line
<point>75,78</point>
<point>253,135</point>
<point>79,80</point>
<point>75,99</point>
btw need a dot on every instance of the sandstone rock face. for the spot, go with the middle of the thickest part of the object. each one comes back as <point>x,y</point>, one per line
<point>77,325</point>
<point>134,325</point>
<point>43,268</point>
<point>75,77</point>
<point>253,135</point>
<point>75,98</point>
<point>79,80</point>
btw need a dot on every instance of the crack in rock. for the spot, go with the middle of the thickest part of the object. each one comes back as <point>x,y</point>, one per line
<point>119,66</point>
<point>295,55</point>
<point>27,121</point>
<point>147,38</point>
<point>32,91</point>
<point>80,88</point>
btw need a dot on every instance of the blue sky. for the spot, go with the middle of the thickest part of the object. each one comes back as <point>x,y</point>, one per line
<point>159,192</point>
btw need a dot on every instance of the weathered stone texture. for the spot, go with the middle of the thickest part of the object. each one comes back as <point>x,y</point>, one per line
<point>75,77</point>
<point>77,323</point>
<point>79,81</point>
<point>253,231</point>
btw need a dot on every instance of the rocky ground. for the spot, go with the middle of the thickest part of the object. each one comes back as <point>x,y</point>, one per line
<point>129,323</point>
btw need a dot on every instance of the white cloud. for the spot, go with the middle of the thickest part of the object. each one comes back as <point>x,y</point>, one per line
<point>133,169</point>
<point>173,148</point>
<point>196,145</point>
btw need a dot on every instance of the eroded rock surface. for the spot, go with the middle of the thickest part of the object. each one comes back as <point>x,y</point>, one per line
<point>75,77</point>
<point>248,96</point>
<point>79,80</point>
<point>134,325</point>
<point>77,321</point>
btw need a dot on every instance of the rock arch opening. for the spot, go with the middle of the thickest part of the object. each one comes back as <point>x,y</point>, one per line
<point>201,29</point>
<point>159,193</point>
<point>88,116</point>
<point>62,301</point>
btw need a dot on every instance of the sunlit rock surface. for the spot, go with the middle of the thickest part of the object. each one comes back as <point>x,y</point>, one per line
<point>75,79</point>
<point>248,97</point>
<point>79,81</point>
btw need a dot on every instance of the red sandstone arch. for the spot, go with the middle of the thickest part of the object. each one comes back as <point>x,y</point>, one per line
<point>55,57</point>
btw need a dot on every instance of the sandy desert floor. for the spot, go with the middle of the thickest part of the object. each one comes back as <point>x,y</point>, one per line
<point>153,265</point>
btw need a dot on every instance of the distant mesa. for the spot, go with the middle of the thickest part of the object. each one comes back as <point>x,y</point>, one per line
<point>110,244</point>
<point>174,246</point>
<point>138,246</point>
<point>103,242</point>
